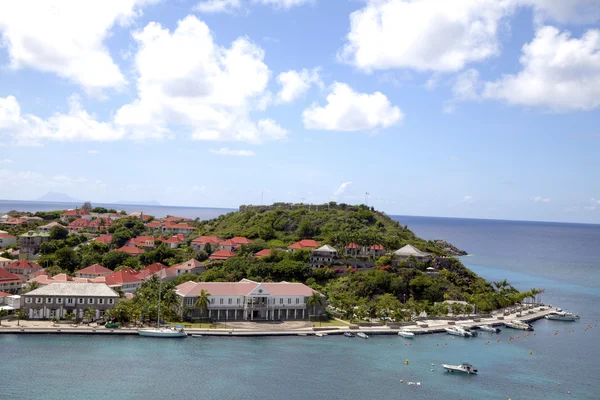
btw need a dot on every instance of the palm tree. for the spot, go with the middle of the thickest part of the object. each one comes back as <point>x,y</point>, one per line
<point>89,314</point>
<point>202,301</point>
<point>19,314</point>
<point>31,286</point>
<point>3,313</point>
<point>69,316</point>
<point>315,300</point>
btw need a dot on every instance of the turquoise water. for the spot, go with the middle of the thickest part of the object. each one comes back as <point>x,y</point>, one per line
<point>562,258</point>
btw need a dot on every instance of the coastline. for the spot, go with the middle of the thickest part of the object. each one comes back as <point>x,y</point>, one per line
<point>420,328</point>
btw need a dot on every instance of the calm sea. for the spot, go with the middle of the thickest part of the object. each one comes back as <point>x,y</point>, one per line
<point>562,258</point>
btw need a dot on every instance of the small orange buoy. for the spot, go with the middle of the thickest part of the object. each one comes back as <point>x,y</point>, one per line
<point>530,352</point>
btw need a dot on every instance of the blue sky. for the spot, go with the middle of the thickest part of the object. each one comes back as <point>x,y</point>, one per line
<point>469,108</point>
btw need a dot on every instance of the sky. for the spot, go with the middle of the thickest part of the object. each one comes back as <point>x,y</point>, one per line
<point>462,108</point>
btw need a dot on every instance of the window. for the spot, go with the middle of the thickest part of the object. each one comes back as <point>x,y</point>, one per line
<point>49,300</point>
<point>70,301</point>
<point>220,301</point>
<point>212,301</point>
<point>238,301</point>
<point>230,300</point>
<point>38,300</point>
<point>59,300</point>
<point>280,301</point>
<point>189,302</point>
<point>100,301</point>
<point>297,300</point>
<point>111,301</point>
<point>90,301</point>
<point>289,300</point>
<point>80,301</point>
<point>28,300</point>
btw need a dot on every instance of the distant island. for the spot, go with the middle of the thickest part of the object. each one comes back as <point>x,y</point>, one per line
<point>58,197</point>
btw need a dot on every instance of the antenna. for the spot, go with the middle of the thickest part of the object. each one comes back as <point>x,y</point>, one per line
<point>262,197</point>
<point>366,198</point>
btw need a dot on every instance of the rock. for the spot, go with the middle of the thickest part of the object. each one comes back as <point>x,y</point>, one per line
<point>449,248</point>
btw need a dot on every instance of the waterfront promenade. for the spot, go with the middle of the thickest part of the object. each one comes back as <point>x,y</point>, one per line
<point>420,328</point>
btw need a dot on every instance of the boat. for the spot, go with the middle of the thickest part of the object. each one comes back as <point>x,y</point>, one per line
<point>362,335</point>
<point>489,328</point>
<point>348,334</point>
<point>516,324</point>
<point>469,331</point>
<point>465,368</point>
<point>196,335</point>
<point>319,334</point>
<point>562,316</point>
<point>458,331</point>
<point>166,331</point>
<point>406,334</point>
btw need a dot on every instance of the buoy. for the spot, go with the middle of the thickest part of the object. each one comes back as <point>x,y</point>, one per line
<point>569,392</point>
<point>406,362</point>
<point>401,381</point>
<point>432,365</point>
<point>431,369</point>
<point>437,344</point>
<point>558,384</point>
<point>530,352</point>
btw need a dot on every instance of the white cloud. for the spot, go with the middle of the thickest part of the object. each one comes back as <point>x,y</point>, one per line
<point>595,203</point>
<point>230,6</point>
<point>340,190</point>
<point>6,161</point>
<point>348,110</point>
<point>186,80</point>
<point>426,35</point>
<point>226,151</point>
<point>93,152</point>
<point>296,83</point>
<point>538,199</point>
<point>76,125</point>
<point>66,37</point>
<point>559,72</point>
<point>567,11</point>
<point>467,199</point>
<point>467,86</point>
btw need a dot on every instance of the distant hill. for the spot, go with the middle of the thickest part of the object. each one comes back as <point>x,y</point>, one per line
<point>138,203</point>
<point>58,197</point>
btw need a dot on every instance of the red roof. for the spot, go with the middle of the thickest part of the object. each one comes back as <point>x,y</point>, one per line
<point>176,219</point>
<point>6,236</point>
<point>213,240</point>
<point>305,244</point>
<point>151,269</point>
<point>15,221</point>
<point>104,222</point>
<point>4,294</point>
<point>242,288</point>
<point>23,265</point>
<point>141,241</point>
<point>7,277</point>
<point>127,275</point>
<point>352,246</point>
<point>75,213</point>
<point>239,240</point>
<point>189,264</point>
<point>171,225</point>
<point>154,224</point>
<point>130,250</point>
<point>104,239</point>
<point>174,239</point>
<point>263,253</point>
<point>79,223</point>
<point>221,255</point>
<point>376,247</point>
<point>95,269</point>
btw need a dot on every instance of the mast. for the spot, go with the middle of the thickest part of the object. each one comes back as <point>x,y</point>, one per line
<point>159,291</point>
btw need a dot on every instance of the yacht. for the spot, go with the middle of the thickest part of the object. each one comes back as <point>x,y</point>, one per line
<point>362,335</point>
<point>489,328</point>
<point>348,334</point>
<point>468,330</point>
<point>406,334</point>
<point>464,368</point>
<point>562,316</point>
<point>516,324</point>
<point>458,331</point>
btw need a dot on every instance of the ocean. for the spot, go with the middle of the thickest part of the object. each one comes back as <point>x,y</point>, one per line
<point>564,259</point>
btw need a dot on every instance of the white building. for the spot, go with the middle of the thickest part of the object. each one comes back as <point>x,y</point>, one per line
<point>249,300</point>
<point>407,251</point>
<point>324,255</point>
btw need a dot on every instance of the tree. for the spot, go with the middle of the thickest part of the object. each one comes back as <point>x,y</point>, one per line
<point>31,286</point>
<point>89,314</point>
<point>19,315</point>
<point>202,301</point>
<point>87,206</point>
<point>315,300</point>
<point>100,210</point>
<point>3,313</point>
<point>58,233</point>
<point>67,259</point>
<point>113,259</point>
<point>69,316</point>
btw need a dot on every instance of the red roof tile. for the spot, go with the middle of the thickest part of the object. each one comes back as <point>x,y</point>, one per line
<point>23,265</point>
<point>376,247</point>
<point>74,213</point>
<point>150,270</point>
<point>9,276</point>
<point>263,253</point>
<point>213,240</point>
<point>4,294</point>
<point>130,250</point>
<point>6,236</point>
<point>221,255</point>
<point>305,244</point>
<point>104,239</point>
<point>240,240</point>
<point>95,269</point>
<point>352,246</point>
<point>123,276</point>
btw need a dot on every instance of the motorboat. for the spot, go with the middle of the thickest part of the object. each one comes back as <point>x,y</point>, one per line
<point>319,334</point>
<point>469,331</point>
<point>465,368</point>
<point>458,331</point>
<point>562,316</point>
<point>362,335</point>
<point>489,328</point>
<point>348,334</point>
<point>516,324</point>
<point>165,332</point>
<point>196,335</point>
<point>406,334</point>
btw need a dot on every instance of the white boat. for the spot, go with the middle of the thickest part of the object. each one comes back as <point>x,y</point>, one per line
<point>406,334</point>
<point>465,368</point>
<point>362,335</point>
<point>458,331</point>
<point>489,328</point>
<point>562,316</point>
<point>469,331</point>
<point>348,334</point>
<point>319,334</point>
<point>516,324</point>
<point>196,335</point>
<point>164,332</point>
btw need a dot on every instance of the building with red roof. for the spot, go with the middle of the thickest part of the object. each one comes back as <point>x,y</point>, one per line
<point>147,242</point>
<point>10,282</point>
<point>79,213</point>
<point>154,224</point>
<point>200,242</point>
<point>132,251</point>
<point>262,253</point>
<point>191,266</point>
<point>150,270</point>
<point>15,221</point>
<point>304,244</point>
<point>221,255</point>
<point>100,224</point>
<point>23,267</point>
<point>172,227</point>
<point>106,239</point>
<point>78,225</point>
<point>126,280</point>
<point>93,271</point>
<point>7,240</point>
<point>249,300</point>
<point>46,228</point>
<point>175,241</point>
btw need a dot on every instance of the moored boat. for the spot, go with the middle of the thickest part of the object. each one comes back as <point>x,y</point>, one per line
<point>465,368</point>
<point>406,334</point>
<point>362,335</point>
<point>516,324</point>
<point>165,332</point>
<point>348,334</point>
<point>489,328</point>
<point>562,316</point>
<point>458,331</point>
<point>319,334</point>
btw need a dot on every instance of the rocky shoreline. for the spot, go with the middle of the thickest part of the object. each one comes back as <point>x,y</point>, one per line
<point>449,248</point>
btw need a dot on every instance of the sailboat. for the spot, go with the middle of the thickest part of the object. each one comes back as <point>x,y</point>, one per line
<point>164,332</point>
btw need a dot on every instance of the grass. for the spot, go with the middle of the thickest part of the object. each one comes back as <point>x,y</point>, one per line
<point>331,322</point>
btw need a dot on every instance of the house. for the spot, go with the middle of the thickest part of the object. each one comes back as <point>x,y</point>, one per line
<point>5,261</point>
<point>141,215</point>
<point>166,275</point>
<point>154,225</point>
<point>192,266</point>
<point>9,302</point>
<point>46,228</point>
<point>172,227</point>
<point>249,300</point>
<point>150,270</point>
<point>126,280</point>
<point>376,250</point>
<point>15,221</point>
<point>199,244</point>
<point>7,240</point>
<point>176,219</point>
<point>304,244</point>
<point>262,253</point>
<point>23,267</point>
<point>78,224</point>
<point>175,241</point>
<point>70,214</point>
<point>147,242</point>
<point>11,283</point>
<point>221,255</point>
<point>352,249</point>
<point>93,271</point>
<point>106,239</point>
<point>240,240</point>
<point>60,298</point>
<point>409,250</point>
<point>324,255</point>
<point>132,251</point>
<point>100,224</point>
